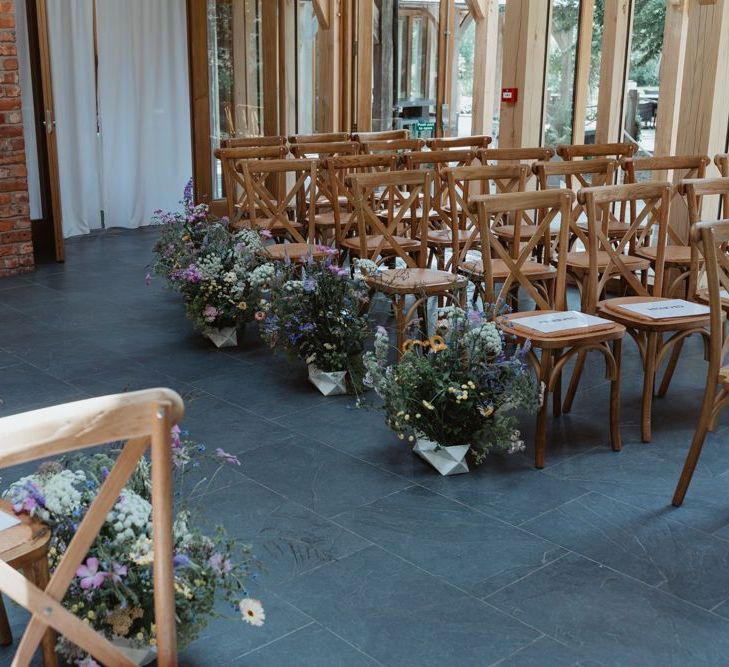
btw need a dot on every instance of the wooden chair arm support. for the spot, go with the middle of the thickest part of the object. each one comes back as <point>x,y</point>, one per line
<point>64,428</point>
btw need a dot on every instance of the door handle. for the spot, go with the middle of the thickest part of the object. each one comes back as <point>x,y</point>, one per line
<point>49,122</point>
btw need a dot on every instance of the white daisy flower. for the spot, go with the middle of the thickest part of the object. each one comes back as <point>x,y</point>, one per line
<point>252,611</point>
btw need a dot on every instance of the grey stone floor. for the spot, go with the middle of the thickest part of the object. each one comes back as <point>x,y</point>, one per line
<point>371,558</point>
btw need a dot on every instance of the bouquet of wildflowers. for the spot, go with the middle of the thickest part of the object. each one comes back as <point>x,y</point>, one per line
<point>315,313</point>
<point>113,587</point>
<point>460,387</point>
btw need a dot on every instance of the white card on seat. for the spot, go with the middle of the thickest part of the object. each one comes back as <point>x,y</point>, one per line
<point>666,309</point>
<point>8,520</point>
<point>562,321</point>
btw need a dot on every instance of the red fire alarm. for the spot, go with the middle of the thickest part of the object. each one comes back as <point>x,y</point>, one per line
<point>509,95</point>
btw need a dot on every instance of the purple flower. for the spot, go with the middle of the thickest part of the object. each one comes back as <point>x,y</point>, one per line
<point>118,572</point>
<point>475,317</point>
<point>266,234</point>
<point>219,563</point>
<point>90,575</point>
<point>227,458</point>
<point>210,313</point>
<point>307,328</point>
<point>309,285</point>
<point>32,499</point>
<point>180,560</point>
<point>148,279</point>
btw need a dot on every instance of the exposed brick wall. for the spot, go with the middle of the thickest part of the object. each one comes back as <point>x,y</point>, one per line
<point>16,246</point>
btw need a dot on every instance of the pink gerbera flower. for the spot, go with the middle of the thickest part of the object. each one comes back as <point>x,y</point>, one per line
<point>90,575</point>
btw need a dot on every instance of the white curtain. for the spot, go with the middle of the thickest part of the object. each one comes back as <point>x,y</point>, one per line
<point>26,93</point>
<point>144,107</point>
<point>71,33</point>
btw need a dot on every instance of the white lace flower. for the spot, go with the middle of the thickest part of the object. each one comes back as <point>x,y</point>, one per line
<point>263,274</point>
<point>130,517</point>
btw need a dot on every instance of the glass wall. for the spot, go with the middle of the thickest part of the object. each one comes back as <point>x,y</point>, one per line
<point>559,85</point>
<point>307,76</point>
<point>235,69</point>
<point>641,95</point>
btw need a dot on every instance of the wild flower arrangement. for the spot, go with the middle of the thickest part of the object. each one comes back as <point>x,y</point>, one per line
<point>113,590</point>
<point>315,313</point>
<point>460,387</point>
<point>219,274</point>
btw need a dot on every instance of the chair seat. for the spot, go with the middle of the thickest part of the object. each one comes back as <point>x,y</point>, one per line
<point>525,231</point>
<point>531,269</point>
<point>24,542</point>
<point>415,281</point>
<point>560,339</point>
<point>408,214</point>
<point>580,261</point>
<point>326,219</point>
<point>272,224</point>
<point>443,237</point>
<point>353,244</point>
<point>297,252</point>
<point>615,229</point>
<point>610,308</point>
<point>675,254</point>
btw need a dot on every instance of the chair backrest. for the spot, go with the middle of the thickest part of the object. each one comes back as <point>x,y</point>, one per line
<point>555,205</point>
<point>392,146</point>
<point>232,183</point>
<point>338,169</point>
<point>252,142</point>
<point>270,210</point>
<point>384,135</point>
<point>650,222</point>
<point>467,181</point>
<point>674,168</point>
<point>475,141</point>
<point>319,138</point>
<point>614,150</point>
<point>143,419</point>
<point>325,149</point>
<point>711,239</point>
<point>516,155</point>
<point>722,162</point>
<point>403,192</point>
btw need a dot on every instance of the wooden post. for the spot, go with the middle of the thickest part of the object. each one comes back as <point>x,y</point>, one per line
<point>525,50</point>
<point>384,66</point>
<point>363,110</point>
<point>582,71</point>
<point>485,61</point>
<point>671,79</point>
<point>328,46</point>
<point>347,94</point>
<point>269,56</point>
<point>704,110</point>
<point>613,70</point>
<point>287,66</point>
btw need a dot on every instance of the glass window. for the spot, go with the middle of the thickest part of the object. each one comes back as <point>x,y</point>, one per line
<point>560,79</point>
<point>593,82</point>
<point>641,95</point>
<point>234,57</point>
<point>307,30</point>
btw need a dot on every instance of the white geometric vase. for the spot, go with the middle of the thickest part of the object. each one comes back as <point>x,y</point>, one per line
<point>446,460</point>
<point>225,337</point>
<point>139,655</point>
<point>333,383</point>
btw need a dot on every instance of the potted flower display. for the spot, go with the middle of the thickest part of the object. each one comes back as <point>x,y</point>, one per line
<point>456,392</point>
<point>315,313</point>
<point>220,275</point>
<point>113,588</point>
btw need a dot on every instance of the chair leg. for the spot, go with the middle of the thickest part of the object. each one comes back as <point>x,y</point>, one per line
<point>6,636</point>
<point>397,307</point>
<point>557,393</point>
<point>649,382</point>
<point>574,383</point>
<point>41,577</point>
<point>670,368</point>
<point>545,370</point>
<point>615,440</point>
<point>692,457</point>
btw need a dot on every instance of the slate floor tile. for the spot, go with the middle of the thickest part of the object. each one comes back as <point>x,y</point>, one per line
<point>319,477</point>
<point>401,615</point>
<point>23,387</point>
<point>312,646</point>
<point>617,619</point>
<point>464,547</point>
<point>546,652</point>
<point>649,546</point>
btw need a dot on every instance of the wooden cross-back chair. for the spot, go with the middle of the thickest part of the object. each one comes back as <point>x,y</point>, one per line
<point>392,146</point>
<point>342,196</point>
<point>319,138</point>
<point>558,348</point>
<point>232,182</point>
<point>711,240</point>
<point>474,142</point>
<point>252,142</point>
<point>721,160</point>
<point>465,182</point>
<point>144,420</point>
<point>267,212</point>
<point>529,155</point>
<point>617,150</point>
<point>400,238</point>
<point>678,250</point>
<point>648,333</point>
<point>383,135</point>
